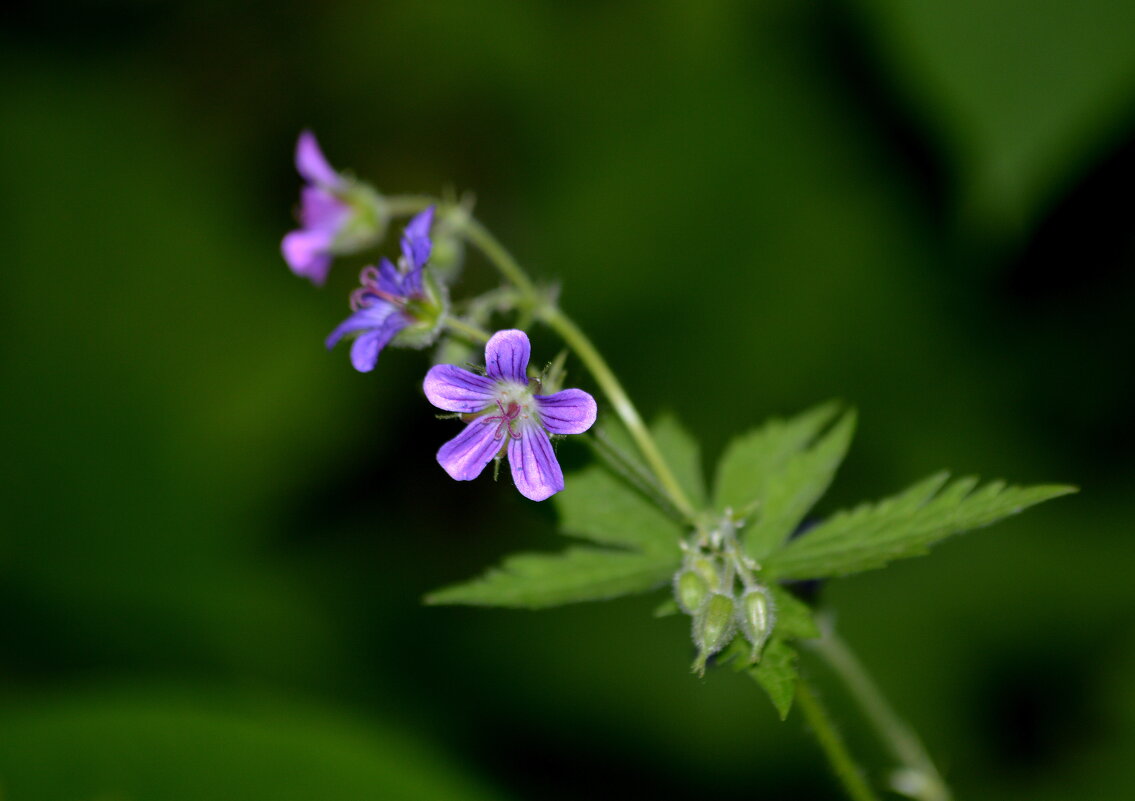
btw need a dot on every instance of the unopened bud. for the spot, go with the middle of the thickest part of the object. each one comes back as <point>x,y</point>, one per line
<point>758,616</point>
<point>713,627</point>
<point>705,568</point>
<point>690,591</point>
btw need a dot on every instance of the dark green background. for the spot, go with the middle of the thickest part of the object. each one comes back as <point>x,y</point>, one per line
<point>215,534</point>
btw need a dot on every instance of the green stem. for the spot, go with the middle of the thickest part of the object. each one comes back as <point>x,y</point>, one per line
<point>917,777</point>
<point>403,205</point>
<point>846,770</point>
<point>467,330</point>
<point>501,258</point>
<point>587,353</point>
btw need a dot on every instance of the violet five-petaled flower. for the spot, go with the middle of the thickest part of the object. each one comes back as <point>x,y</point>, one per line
<point>381,304</point>
<point>508,416</point>
<point>323,213</point>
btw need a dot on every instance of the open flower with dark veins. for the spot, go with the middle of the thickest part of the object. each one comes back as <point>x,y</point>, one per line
<point>390,298</point>
<point>505,416</point>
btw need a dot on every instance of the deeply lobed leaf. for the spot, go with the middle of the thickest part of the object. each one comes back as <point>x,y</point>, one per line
<point>779,472</point>
<point>904,525</point>
<point>535,581</point>
<point>601,507</point>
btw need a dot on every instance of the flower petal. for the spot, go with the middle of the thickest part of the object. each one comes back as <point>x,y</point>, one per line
<point>307,252</point>
<point>311,163</point>
<point>376,316</point>
<point>465,456</point>
<point>535,470</point>
<point>321,209</point>
<point>455,389</point>
<point>571,411</point>
<point>416,243</point>
<point>366,349</point>
<point>507,354</point>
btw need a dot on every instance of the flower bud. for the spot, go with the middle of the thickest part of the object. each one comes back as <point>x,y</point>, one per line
<point>757,614</point>
<point>690,591</point>
<point>705,567</point>
<point>713,627</point>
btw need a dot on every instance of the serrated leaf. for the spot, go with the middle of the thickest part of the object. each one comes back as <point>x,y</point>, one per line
<point>794,619</point>
<point>683,454</point>
<point>679,450</point>
<point>901,526</point>
<point>779,471</point>
<point>776,673</point>
<point>601,507</point>
<point>536,581</point>
<point>752,459</point>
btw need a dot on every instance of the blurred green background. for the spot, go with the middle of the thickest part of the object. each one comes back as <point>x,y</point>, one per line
<point>216,534</point>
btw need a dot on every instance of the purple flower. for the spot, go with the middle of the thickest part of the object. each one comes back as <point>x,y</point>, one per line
<point>336,214</point>
<point>390,298</point>
<point>507,415</point>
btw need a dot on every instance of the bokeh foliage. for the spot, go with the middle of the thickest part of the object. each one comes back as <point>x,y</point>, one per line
<point>216,535</point>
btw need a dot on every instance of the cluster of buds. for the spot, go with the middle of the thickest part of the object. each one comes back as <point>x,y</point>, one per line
<point>716,587</point>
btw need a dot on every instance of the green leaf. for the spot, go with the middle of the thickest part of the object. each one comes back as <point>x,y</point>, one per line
<point>779,471</point>
<point>753,459</point>
<point>793,617</point>
<point>792,492</point>
<point>679,450</point>
<point>905,525</point>
<point>536,581</point>
<point>683,454</point>
<point>776,673</point>
<point>601,507</point>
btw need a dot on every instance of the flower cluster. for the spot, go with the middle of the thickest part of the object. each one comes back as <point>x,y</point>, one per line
<point>406,304</point>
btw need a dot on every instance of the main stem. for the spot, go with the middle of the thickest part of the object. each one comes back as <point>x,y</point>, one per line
<point>845,768</point>
<point>917,776</point>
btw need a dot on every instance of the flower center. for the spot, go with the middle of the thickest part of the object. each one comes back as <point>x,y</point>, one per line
<point>508,415</point>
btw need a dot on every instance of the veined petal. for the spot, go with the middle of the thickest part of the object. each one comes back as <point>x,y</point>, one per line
<point>571,411</point>
<point>465,456</point>
<point>455,389</point>
<point>416,243</point>
<point>389,279</point>
<point>367,347</point>
<point>375,316</point>
<point>307,252</point>
<point>507,354</point>
<point>535,470</point>
<point>311,163</point>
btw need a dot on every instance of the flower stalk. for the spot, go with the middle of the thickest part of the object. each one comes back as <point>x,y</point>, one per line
<point>916,777</point>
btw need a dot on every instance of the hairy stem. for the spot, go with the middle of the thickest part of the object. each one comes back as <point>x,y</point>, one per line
<point>917,777</point>
<point>587,353</point>
<point>840,759</point>
<point>467,330</point>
